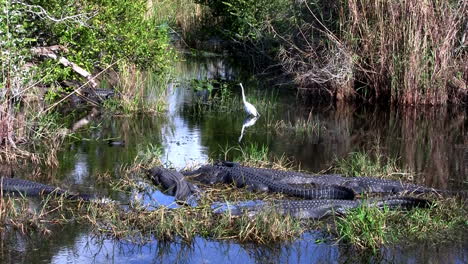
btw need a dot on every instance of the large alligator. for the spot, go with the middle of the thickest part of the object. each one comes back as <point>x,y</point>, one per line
<point>316,209</point>
<point>211,174</point>
<point>357,184</point>
<point>29,188</point>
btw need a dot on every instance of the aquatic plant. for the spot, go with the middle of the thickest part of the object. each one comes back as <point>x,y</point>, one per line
<point>300,127</point>
<point>223,96</point>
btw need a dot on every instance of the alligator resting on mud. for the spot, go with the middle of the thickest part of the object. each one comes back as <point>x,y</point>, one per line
<point>174,182</point>
<point>29,188</point>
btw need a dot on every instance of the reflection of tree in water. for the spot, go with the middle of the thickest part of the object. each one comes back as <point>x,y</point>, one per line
<point>429,252</point>
<point>430,142</point>
<point>431,137</point>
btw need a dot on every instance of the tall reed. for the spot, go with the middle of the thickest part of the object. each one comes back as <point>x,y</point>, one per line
<point>412,52</point>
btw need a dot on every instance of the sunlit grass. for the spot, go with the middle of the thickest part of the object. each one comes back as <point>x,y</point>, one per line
<point>369,164</point>
<point>138,91</point>
<point>300,127</point>
<point>371,228</point>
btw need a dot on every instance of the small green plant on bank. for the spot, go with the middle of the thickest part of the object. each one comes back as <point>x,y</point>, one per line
<point>149,155</point>
<point>253,153</point>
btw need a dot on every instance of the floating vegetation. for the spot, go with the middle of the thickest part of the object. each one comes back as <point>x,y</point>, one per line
<point>300,127</point>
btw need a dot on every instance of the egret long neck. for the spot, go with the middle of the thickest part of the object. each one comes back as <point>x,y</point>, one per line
<point>243,95</point>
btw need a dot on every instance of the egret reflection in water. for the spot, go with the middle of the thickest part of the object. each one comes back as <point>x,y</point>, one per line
<point>249,121</point>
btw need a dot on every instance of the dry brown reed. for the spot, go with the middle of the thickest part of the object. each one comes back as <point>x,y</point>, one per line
<point>405,52</point>
<point>408,50</point>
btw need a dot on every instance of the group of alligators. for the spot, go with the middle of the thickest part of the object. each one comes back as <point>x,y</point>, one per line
<point>321,195</point>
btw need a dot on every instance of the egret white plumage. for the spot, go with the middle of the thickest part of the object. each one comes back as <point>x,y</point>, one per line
<point>249,108</point>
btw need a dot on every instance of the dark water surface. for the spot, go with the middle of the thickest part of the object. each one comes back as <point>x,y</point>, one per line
<point>431,142</point>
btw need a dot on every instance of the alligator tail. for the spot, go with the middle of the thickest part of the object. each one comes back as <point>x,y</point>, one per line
<point>400,202</point>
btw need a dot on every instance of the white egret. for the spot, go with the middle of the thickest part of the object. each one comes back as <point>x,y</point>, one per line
<point>250,121</point>
<point>249,108</point>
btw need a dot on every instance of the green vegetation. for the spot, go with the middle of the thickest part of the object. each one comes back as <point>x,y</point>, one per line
<point>370,228</point>
<point>215,95</point>
<point>370,50</point>
<point>52,51</point>
<point>368,164</point>
<point>301,127</point>
<point>364,228</point>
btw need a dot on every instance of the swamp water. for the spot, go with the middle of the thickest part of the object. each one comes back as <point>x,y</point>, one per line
<point>433,143</point>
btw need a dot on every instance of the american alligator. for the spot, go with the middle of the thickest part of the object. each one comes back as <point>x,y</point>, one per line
<point>30,188</point>
<point>357,184</point>
<point>315,209</point>
<point>89,94</point>
<point>211,174</point>
<point>173,183</point>
<point>100,94</point>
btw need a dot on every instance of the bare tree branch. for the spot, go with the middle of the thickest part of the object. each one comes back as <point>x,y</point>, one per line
<point>38,10</point>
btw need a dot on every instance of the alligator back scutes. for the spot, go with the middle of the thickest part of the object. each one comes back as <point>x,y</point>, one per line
<point>30,188</point>
<point>242,177</point>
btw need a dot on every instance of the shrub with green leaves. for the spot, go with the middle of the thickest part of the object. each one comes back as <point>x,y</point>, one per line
<point>248,19</point>
<point>110,30</point>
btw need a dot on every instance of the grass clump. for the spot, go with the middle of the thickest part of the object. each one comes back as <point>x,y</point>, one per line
<point>186,223</point>
<point>365,227</point>
<point>366,164</point>
<point>300,127</point>
<point>371,228</point>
